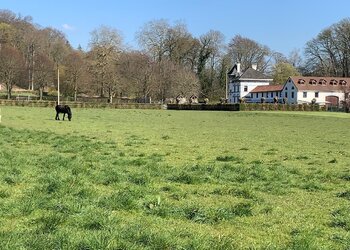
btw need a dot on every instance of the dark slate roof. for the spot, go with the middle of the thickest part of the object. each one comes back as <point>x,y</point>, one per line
<point>254,74</point>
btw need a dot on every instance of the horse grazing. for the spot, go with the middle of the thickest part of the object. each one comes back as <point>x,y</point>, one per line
<point>65,109</point>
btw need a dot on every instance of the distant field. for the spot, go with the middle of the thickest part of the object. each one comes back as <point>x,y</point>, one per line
<point>156,179</point>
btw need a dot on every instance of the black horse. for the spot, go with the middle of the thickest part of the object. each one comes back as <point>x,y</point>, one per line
<point>65,109</point>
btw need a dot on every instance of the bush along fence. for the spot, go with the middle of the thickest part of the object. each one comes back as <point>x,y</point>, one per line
<point>248,107</point>
<point>218,107</point>
<point>26,103</point>
<point>280,107</point>
<point>201,106</point>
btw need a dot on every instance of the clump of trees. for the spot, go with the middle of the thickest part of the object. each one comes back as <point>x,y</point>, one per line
<point>170,61</point>
<point>328,53</point>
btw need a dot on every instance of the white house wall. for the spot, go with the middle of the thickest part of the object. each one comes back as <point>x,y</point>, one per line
<point>299,97</point>
<point>310,94</point>
<point>236,90</point>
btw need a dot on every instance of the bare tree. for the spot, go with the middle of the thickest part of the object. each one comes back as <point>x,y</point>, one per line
<point>153,38</point>
<point>208,59</point>
<point>106,46</point>
<point>248,52</point>
<point>329,53</point>
<point>75,69</point>
<point>44,73</point>
<point>11,66</point>
<point>137,74</point>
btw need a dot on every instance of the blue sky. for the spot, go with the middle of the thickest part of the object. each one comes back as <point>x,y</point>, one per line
<point>283,25</point>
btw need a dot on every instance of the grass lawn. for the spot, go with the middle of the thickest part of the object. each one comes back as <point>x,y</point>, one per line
<point>156,179</point>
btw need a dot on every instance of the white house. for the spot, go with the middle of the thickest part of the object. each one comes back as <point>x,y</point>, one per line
<point>240,84</point>
<point>325,90</point>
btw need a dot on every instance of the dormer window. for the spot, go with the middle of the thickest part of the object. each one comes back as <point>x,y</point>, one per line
<point>312,81</point>
<point>322,82</point>
<point>301,81</point>
<point>342,82</point>
<point>333,82</point>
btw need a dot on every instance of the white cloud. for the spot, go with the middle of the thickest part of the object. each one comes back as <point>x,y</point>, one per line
<point>68,27</point>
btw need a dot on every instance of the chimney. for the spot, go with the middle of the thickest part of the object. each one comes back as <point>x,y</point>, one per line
<point>254,66</point>
<point>238,67</point>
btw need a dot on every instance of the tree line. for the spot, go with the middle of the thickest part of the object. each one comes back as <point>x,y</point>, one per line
<point>170,60</point>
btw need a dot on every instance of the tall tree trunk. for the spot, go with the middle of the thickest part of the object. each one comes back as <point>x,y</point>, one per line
<point>8,92</point>
<point>110,97</point>
<point>75,94</point>
<point>41,93</point>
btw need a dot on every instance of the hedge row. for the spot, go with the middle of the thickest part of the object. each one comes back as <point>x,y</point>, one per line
<point>247,107</point>
<point>218,107</point>
<point>80,104</point>
<point>280,107</point>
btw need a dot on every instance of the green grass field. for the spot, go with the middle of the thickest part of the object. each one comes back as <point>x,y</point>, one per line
<point>156,179</point>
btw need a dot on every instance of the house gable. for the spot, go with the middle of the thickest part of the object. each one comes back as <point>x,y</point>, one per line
<point>242,83</point>
<point>316,88</point>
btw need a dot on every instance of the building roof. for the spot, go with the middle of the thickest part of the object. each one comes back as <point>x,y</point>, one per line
<point>267,88</point>
<point>249,74</point>
<point>233,69</point>
<point>326,84</point>
<point>254,74</point>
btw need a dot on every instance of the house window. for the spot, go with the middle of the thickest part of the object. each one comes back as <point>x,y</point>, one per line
<point>257,95</point>
<point>304,94</point>
<point>286,94</point>
<point>245,88</point>
<point>292,87</point>
<point>316,94</point>
<point>292,94</point>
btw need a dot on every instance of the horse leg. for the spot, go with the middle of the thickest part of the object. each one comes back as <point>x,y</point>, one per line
<point>57,116</point>
<point>64,114</point>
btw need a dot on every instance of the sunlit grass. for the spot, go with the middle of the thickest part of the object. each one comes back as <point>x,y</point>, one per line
<point>156,179</point>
